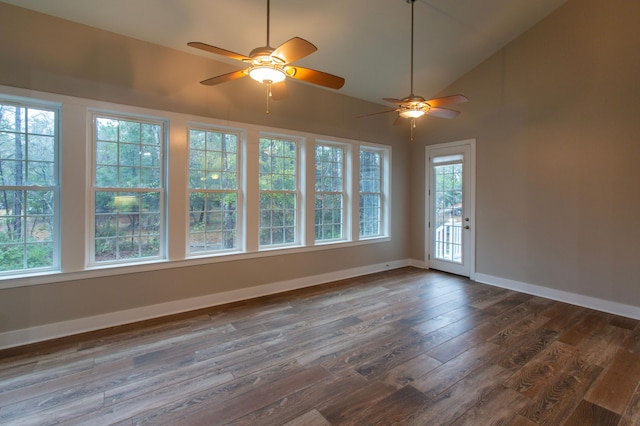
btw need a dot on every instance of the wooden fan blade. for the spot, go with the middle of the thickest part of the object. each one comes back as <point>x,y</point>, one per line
<point>225,77</point>
<point>294,49</point>
<point>218,51</point>
<point>376,113</point>
<point>279,91</point>
<point>443,113</point>
<point>447,100</point>
<point>393,100</point>
<point>316,77</point>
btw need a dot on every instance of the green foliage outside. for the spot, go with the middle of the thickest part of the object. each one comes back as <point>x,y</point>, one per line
<point>448,192</point>
<point>213,180</point>
<point>27,182</point>
<point>329,186</point>
<point>129,178</point>
<point>370,193</point>
<point>277,176</point>
<point>128,222</point>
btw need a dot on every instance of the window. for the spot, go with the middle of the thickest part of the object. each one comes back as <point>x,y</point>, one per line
<point>329,192</point>
<point>128,189</point>
<point>213,191</point>
<point>370,193</point>
<point>28,187</point>
<point>278,186</point>
<point>224,194</point>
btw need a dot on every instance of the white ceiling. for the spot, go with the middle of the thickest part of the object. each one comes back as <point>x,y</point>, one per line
<point>365,41</point>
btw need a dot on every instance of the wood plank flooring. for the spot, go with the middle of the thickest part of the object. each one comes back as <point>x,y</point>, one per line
<point>403,347</point>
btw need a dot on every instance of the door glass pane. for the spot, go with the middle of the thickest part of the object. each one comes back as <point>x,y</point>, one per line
<point>448,212</point>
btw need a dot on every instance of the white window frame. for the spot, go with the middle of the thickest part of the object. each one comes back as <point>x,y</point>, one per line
<point>384,194</point>
<point>161,190</point>
<point>76,159</point>
<point>56,108</point>
<point>344,193</point>
<point>240,197</point>
<point>300,180</point>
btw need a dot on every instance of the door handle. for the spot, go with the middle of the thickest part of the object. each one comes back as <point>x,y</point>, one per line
<point>467,227</point>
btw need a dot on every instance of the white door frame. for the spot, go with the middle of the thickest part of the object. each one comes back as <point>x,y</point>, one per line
<point>469,185</point>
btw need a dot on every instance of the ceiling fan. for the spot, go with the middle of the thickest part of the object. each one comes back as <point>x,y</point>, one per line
<point>413,106</point>
<point>271,66</point>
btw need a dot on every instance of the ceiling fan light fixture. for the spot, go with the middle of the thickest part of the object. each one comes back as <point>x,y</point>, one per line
<point>267,73</point>
<point>412,113</point>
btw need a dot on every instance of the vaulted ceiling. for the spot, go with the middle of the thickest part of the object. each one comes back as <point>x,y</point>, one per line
<point>365,41</point>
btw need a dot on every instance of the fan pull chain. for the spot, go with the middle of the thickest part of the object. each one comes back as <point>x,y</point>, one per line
<point>413,126</point>
<point>268,83</point>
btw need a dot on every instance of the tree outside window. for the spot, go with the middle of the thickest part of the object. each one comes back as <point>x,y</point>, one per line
<point>128,189</point>
<point>213,191</point>
<point>329,192</point>
<point>278,185</point>
<point>28,187</point>
<point>370,193</point>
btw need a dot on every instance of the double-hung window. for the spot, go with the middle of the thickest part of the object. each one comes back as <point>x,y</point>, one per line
<point>29,207</point>
<point>236,193</point>
<point>371,193</point>
<point>279,192</point>
<point>213,191</point>
<point>329,192</point>
<point>128,189</point>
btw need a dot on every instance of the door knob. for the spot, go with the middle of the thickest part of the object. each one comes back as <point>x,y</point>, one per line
<point>467,227</point>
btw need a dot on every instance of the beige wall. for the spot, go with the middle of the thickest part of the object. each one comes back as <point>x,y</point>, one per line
<point>52,55</point>
<point>555,115</point>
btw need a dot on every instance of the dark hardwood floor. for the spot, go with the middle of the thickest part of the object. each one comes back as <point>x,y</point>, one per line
<point>401,347</point>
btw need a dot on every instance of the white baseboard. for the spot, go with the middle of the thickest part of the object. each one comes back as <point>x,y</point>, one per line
<point>562,296</point>
<point>417,263</point>
<point>66,328</point>
<point>81,325</point>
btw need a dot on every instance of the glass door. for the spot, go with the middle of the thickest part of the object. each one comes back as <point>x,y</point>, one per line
<point>450,217</point>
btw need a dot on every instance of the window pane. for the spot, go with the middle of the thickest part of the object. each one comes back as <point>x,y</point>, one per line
<point>278,165</point>
<point>370,193</point>
<point>213,221</point>
<point>129,155</point>
<point>129,131</point>
<point>149,177</point>
<point>41,122</point>
<point>329,185</point>
<point>213,204</point>
<point>41,148</point>
<point>151,134</point>
<point>41,173</point>
<point>197,139</point>
<point>133,152</point>
<point>369,215</point>
<point>128,224</point>
<point>150,156</point>
<point>106,129</point>
<point>211,155</point>
<point>13,144</point>
<point>448,209</point>
<point>106,153</point>
<point>277,218</point>
<point>27,229</point>
<point>28,217</point>
<point>12,119</point>
<point>328,217</point>
<point>370,171</point>
<point>278,183</point>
